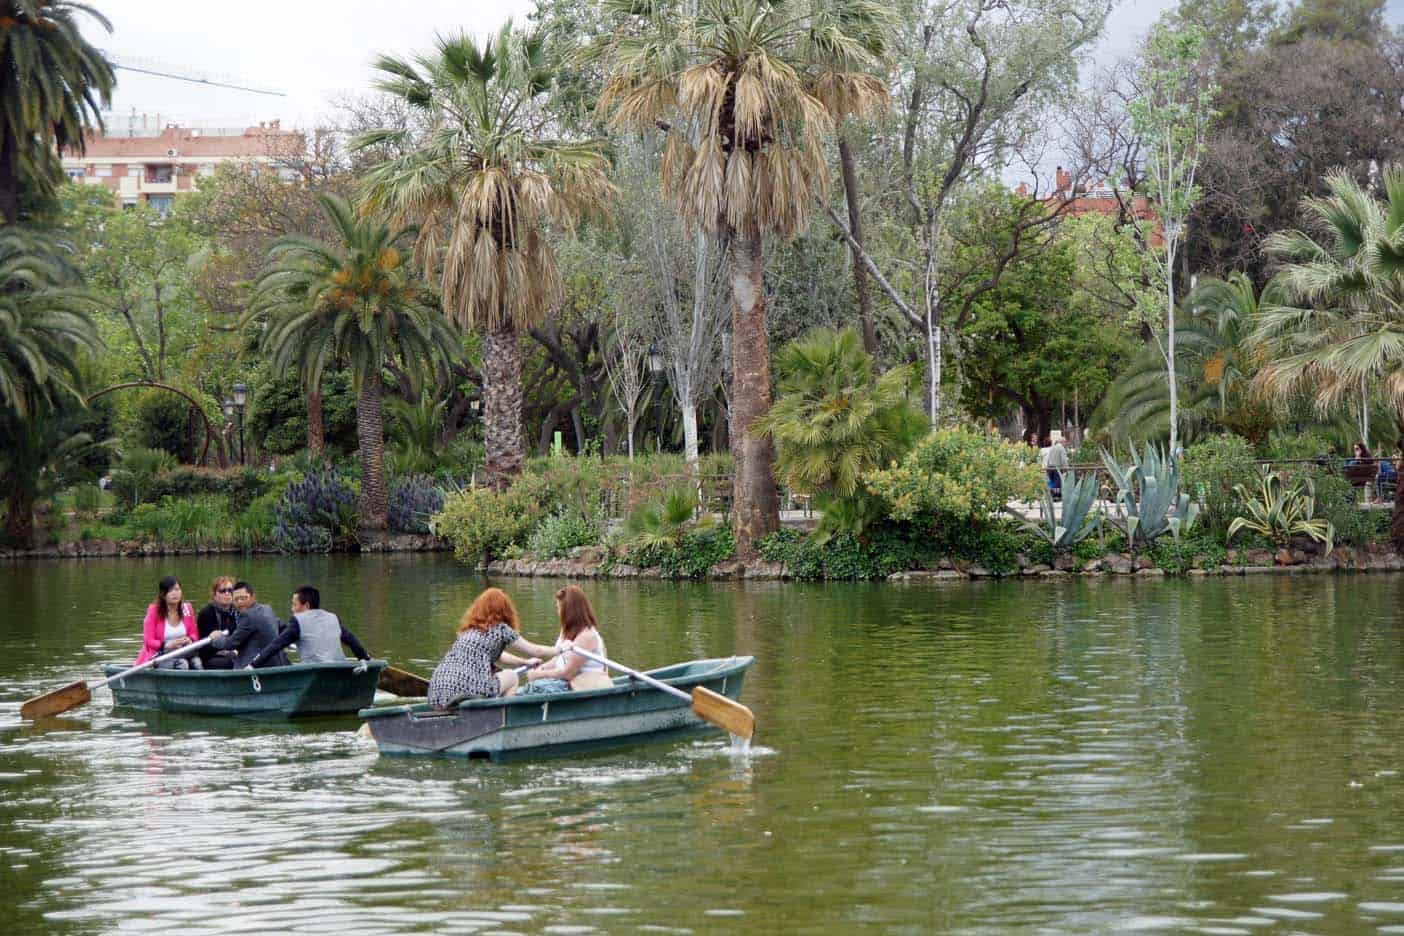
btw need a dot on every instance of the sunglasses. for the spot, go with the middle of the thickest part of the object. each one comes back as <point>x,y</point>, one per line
<point>224,591</point>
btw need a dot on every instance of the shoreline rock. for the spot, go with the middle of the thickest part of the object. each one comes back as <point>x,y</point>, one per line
<point>134,549</point>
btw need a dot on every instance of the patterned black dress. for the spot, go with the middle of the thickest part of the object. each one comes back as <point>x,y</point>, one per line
<point>466,670</point>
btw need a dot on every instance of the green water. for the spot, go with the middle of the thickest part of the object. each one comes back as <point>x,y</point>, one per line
<point>1005,758</point>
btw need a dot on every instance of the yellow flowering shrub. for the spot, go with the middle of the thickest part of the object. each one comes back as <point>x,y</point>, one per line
<point>956,475</point>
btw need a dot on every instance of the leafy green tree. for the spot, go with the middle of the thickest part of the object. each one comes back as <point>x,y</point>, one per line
<point>1342,324</point>
<point>357,301</point>
<point>40,456</point>
<point>492,177</point>
<point>53,85</point>
<point>957,476</point>
<point>834,420</point>
<point>750,90</point>
<point>1171,116</point>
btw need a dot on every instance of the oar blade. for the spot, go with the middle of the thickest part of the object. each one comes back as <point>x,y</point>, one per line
<point>723,712</point>
<point>60,700</point>
<point>403,683</point>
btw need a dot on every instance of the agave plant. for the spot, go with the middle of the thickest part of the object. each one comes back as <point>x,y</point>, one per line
<point>1281,511</point>
<point>1149,498</point>
<point>1077,521</point>
<point>662,521</point>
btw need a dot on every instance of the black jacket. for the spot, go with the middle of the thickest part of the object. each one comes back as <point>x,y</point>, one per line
<point>212,618</point>
<point>255,629</point>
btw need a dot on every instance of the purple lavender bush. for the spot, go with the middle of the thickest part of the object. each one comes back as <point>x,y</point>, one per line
<point>316,514</point>
<point>413,500</point>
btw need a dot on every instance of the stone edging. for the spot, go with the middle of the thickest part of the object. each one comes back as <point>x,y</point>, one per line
<point>134,549</point>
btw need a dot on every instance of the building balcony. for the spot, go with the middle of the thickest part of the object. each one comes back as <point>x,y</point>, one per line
<point>158,188</point>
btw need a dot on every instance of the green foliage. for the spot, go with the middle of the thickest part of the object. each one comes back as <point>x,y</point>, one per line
<point>833,422</point>
<point>1212,468</point>
<point>562,531</point>
<point>1337,504</point>
<point>240,486</point>
<point>1148,496</point>
<point>888,548</point>
<point>1284,446</point>
<point>253,527</point>
<point>957,476</point>
<point>1281,509</point>
<point>162,420</point>
<point>1065,525</point>
<point>276,422</point>
<point>1199,550</point>
<point>134,476</point>
<point>663,520</point>
<point>316,514</point>
<point>482,523</point>
<point>692,555</point>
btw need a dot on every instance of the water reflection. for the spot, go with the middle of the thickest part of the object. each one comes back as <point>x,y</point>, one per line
<point>1001,758</point>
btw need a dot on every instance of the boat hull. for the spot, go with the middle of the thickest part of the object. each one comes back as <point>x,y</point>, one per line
<point>556,723</point>
<point>301,690</point>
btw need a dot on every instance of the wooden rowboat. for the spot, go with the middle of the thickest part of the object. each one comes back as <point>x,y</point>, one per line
<point>273,692</point>
<point>552,723</point>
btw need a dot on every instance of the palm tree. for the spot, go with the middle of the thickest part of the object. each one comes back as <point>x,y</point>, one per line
<point>748,90</point>
<point>354,301</point>
<point>1341,326</point>
<point>44,323</point>
<point>483,184</point>
<point>1214,366</point>
<point>53,84</point>
<point>835,421</point>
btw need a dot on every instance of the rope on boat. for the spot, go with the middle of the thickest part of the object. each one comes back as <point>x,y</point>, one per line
<point>257,686</point>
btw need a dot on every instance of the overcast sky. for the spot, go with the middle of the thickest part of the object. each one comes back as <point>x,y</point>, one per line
<point>316,49</point>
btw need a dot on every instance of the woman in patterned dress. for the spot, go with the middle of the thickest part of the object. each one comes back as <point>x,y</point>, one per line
<point>488,629</point>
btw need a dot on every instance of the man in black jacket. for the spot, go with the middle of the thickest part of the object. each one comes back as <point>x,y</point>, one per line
<point>256,626</point>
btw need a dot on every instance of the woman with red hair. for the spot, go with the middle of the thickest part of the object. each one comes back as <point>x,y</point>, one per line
<point>489,627</point>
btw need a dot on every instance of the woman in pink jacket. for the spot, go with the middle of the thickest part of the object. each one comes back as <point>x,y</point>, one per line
<point>169,625</point>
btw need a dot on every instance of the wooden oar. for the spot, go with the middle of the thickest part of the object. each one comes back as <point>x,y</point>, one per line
<point>402,682</point>
<point>72,696</point>
<point>706,704</point>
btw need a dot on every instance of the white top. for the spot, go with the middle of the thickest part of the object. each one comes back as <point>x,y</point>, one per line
<point>174,631</point>
<point>590,665</point>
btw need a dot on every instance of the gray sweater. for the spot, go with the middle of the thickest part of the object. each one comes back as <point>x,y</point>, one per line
<point>254,629</point>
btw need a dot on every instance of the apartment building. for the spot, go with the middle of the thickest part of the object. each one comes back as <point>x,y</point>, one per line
<point>154,166</point>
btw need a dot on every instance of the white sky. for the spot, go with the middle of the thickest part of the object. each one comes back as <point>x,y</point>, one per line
<point>316,49</point>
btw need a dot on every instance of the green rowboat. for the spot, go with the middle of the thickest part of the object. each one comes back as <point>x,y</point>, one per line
<point>555,723</point>
<point>273,692</point>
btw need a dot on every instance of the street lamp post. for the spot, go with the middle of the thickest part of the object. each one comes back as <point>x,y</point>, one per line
<point>241,399</point>
<point>655,366</point>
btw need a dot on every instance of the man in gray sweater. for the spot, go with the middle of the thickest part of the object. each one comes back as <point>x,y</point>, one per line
<point>317,633</point>
<point>255,627</point>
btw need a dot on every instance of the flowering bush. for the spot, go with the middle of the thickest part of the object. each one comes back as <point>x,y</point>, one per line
<point>413,502</point>
<point>957,476</point>
<point>315,514</point>
<point>482,523</point>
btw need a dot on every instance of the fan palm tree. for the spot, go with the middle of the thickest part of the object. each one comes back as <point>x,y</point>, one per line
<point>1341,325</point>
<point>1214,366</point>
<point>834,421</point>
<point>748,90</point>
<point>53,84</point>
<point>483,184</point>
<point>355,301</point>
<point>44,323</point>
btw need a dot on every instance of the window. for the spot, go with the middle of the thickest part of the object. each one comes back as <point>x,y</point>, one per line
<point>162,203</point>
<point>104,171</point>
<point>75,174</point>
<point>160,174</point>
<point>135,171</point>
<point>207,169</point>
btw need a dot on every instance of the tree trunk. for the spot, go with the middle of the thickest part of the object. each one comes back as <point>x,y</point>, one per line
<point>1170,353</point>
<point>370,434</point>
<point>316,433</point>
<point>19,517</point>
<point>9,180</point>
<point>502,407</point>
<point>689,421</point>
<point>1396,523</point>
<point>755,507</point>
<point>855,227</point>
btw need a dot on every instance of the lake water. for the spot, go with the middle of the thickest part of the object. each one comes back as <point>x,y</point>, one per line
<point>1222,756</point>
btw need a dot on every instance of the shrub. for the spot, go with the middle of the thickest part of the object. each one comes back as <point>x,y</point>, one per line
<point>482,523</point>
<point>1294,446</point>
<point>239,485</point>
<point>413,503</point>
<point>193,521</point>
<point>162,420</point>
<point>135,474</point>
<point>562,531</point>
<point>87,498</point>
<point>1201,550</point>
<point>957,476</point>
<point>1211,469</point>
<point>253,527</point>
<point>691,556</point>
<point>888,548</point>
<point>316,514</point>
<point>665,519</point>
<point>1280,510</point>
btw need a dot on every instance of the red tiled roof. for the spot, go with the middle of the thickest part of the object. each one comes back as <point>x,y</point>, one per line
<point>192,144</point>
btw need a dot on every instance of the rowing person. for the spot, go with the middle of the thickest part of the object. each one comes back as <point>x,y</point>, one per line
<point>318,634</point>
<point>488,629</point>
<point>571,670</point>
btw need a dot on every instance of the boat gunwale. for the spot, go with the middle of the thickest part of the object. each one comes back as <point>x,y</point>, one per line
<point>291,669</point>
<point>724,667</point>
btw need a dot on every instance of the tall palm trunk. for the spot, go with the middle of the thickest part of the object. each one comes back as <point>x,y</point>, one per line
<point>502,407</point>
<point>9,180</point>
<point>1396,523</point>
<point>755,507</point>
<point>19,516</point>
<point>316,432</point>
<point>370,434</point>
<point>855,227</point>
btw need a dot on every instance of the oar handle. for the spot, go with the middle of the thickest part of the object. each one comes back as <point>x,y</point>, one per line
<point>152,662</point>
<point>641,677</point>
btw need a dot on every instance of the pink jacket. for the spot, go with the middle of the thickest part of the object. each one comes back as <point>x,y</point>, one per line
<point>153,630</point>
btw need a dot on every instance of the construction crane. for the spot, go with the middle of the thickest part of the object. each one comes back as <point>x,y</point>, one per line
<point>180,73</point>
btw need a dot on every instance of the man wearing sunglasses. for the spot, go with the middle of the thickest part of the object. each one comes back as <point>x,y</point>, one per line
<point>218,615</point>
